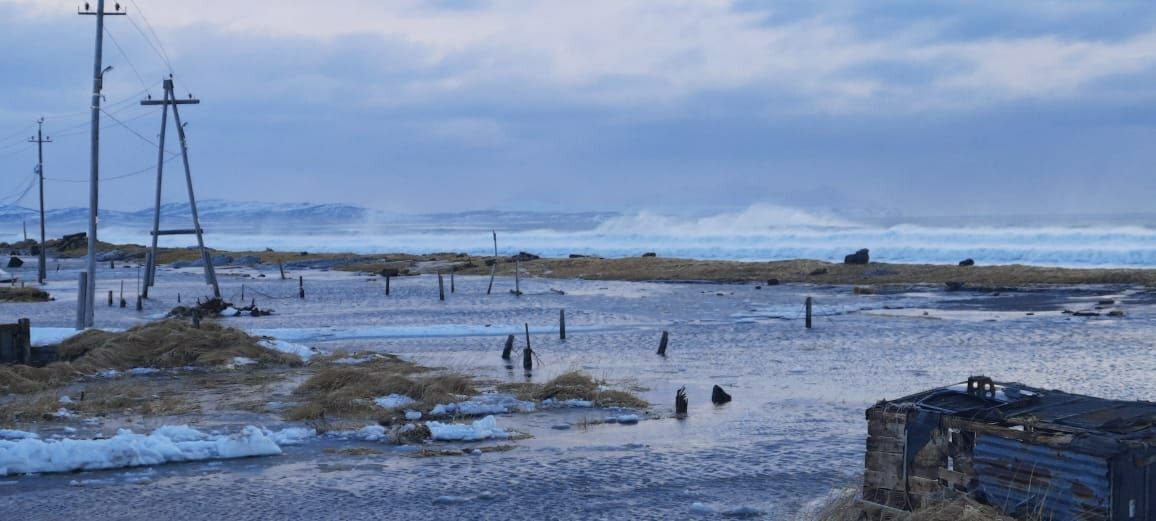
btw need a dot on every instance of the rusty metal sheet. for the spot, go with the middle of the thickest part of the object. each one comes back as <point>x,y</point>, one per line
<point>1017,476</point>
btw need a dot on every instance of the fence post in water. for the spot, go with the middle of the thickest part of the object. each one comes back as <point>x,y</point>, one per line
<point>518,278</point>
<point>452,270</point>
<point>178,298</point>
<point>122,301</point>
<point>387,285</point>
<point>281,266</point>
<point>82,300</point>
<point>509,347</point>
<point>527,354</point>
<point>562,324</point>
<point>242,291</point>
<point>301,286</point>
<point>25,327</point>
<point>139,303</point>
<point>662,343</point>
<point>110,298</point>
<point>441,287</point>
<point>808,306</point>
<point>494,267</point>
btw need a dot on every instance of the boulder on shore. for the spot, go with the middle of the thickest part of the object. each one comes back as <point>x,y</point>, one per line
<point>15,262</point>
<point>719,396</point>
<point>860,257</point>
<point>967,262</point>
<point>523,256</point>
<point>649,254</point>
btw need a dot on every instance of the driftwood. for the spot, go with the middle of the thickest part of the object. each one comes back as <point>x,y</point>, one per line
<point>509,347</point>
<point>662,343</point>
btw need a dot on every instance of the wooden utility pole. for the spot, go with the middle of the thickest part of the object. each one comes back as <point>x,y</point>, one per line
<point>170,100</point>
<point>40,140</point>
<point>494,268</point>
<point>87,305</point>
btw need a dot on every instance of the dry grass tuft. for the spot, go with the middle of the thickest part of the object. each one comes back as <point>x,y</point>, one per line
<point>163,344</point>
<point>961,508</point>
<point>574,385</point>
<point>100,398</point>
<point>347,391</point>
<point>10,294</point>
<point>167,344</point>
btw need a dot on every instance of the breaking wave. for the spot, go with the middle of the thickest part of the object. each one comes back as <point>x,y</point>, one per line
<point>760,232</point>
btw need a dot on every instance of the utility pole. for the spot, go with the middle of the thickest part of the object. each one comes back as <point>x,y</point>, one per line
<point>87,304</point>
<point>40,140</point>
<point>170,100</point>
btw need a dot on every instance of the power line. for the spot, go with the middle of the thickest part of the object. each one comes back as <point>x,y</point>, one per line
<point>164,56</point>
<point>145,170</point>
<point>131,65</point>
<point>134,132</point>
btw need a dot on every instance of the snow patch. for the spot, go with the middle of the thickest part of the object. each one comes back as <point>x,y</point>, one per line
<point>484,405</point>
<point>305,352</point>
<point>393,401</point>
<point>128,449</point>
<point>550,402</point>
<point>483,429</point>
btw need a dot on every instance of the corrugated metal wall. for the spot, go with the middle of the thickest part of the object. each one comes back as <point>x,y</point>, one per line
<point>1069,486</point>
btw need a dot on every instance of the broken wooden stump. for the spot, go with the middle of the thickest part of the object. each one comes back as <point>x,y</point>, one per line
<point>718,396</point>
<point>387,285</point>
<point>527,353</point>
<point>301,286</point>
<point>509,347</point>
<point>452,287</point>
<point>681,404</point>
<point>281,267</point>
<point>562,324</point>
<point>808,306</point>
<point>662,343</point>
<point>110,298</point>
<point>441,287</point>
<point>139,303</point>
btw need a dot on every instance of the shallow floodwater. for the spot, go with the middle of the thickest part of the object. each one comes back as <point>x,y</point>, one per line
<point>794,431</point>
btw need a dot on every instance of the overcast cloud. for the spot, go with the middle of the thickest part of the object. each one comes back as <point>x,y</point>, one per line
<point>908,107</point>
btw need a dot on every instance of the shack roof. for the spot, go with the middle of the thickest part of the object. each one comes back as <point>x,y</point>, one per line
<point>1097,425</point>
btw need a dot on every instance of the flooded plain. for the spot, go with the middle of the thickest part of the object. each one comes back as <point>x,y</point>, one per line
<point>794,431</point>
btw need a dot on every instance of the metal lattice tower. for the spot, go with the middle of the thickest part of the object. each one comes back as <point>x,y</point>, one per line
<point>170,100</point>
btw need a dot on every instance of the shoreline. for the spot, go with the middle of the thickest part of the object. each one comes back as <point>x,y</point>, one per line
<point>658,269</point>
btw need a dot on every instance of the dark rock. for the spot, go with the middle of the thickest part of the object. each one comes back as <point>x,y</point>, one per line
<point>820,271</point>
<point>954,286</point>
<point>860,257</point>
<point>1107,302</point>
<point>389,272</point>
<point>15,262</point>
<point>576,256</point>
<point>967,262</point>
<point>1115,313</point>
<point>221,260</point>
<point>34,250</point>
<point>1085,314</point>
<point>772,282</point>
<point>718,396</point>
<point>490,262</point>
<point>649,254</point>
<point>523,256</point>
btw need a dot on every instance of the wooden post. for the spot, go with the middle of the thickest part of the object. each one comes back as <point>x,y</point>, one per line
<point>452,270</point>
<point>441,288</point>
<point>387,285</point>
<point>562,324</point>
<point>122,293</point>
<point>149,274</point>
<point>518,277</point>
<point>242,291</point>
<point>196,319</point>
<point>25,338</point>
<point>662,343</point>
<point>110,298</point>
<point>178,298</point>
<point>681,403</point>
<point>112,265</point>
<point>281,266</point>
<point>139,303</point>
<point>527,353</point>
<point>808,306</point>
<point>494,268</point>
<point>509,347</point>
<point>301,286</point>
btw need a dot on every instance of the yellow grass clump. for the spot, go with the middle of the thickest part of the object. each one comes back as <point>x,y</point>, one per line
<point>10,294</point>
<point>163,344</point>
<point>575,385</point>
<point>347,391</point>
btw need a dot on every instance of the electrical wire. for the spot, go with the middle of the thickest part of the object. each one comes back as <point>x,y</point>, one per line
<point>164,56</point>
<point>133,173</point>
<point>127,60</point>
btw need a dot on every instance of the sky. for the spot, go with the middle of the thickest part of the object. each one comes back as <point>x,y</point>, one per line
<point>866,108</point>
